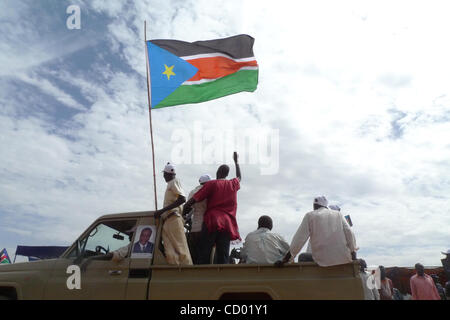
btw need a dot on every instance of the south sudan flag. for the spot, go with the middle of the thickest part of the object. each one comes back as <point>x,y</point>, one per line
<point>191,72</point>
<point>4,258</point>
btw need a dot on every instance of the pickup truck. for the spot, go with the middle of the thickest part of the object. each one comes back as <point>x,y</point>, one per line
<point>141,276</point>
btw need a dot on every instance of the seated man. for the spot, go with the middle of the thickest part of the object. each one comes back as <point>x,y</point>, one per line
<point>332,240</point>
<point>262,245</point>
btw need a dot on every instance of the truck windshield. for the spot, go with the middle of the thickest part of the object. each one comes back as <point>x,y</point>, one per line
<point>102,236</point>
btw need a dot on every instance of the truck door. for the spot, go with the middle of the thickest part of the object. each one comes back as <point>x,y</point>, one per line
<point>102,279</point>
<point>140,263</point>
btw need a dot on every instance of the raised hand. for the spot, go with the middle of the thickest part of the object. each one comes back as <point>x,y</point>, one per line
<point>235,157</point>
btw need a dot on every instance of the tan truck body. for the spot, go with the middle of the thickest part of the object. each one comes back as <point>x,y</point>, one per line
<point>141,278</point>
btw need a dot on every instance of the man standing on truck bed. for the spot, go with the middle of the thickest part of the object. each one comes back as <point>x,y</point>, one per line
<point>175,243</point>
<point>219,222</point>
<point>332,240</point>
<point>197,219</point>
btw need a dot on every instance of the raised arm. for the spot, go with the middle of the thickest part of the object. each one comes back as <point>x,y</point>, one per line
<point>236,164</point>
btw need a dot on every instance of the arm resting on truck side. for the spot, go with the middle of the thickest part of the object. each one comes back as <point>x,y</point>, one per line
<point>299,240</point>
<point>180,200</point>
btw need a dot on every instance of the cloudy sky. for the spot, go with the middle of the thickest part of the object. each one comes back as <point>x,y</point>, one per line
<point>353,95</point>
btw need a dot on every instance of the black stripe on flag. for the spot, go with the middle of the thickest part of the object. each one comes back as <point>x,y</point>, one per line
<point>240,46</point>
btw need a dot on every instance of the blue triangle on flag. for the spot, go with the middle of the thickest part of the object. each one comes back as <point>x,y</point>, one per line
<point>4,258</point>
<point>167,72</point>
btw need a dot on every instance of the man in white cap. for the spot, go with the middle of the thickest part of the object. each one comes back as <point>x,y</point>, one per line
<point>332,241</point>
<point>308,255</point>
<point>198,211</point>
<point>175,243</point>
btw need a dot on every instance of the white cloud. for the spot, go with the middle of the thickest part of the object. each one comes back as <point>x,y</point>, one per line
<point>52,90</point>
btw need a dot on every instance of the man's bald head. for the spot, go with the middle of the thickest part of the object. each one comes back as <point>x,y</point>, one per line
<point>419,269</point>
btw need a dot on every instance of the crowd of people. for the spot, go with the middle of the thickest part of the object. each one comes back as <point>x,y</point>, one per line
<point>210,211</point>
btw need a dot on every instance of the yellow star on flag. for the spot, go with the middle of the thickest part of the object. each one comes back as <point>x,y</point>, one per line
<point>168,71</point>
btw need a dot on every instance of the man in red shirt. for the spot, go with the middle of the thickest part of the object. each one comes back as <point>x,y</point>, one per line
<point>219,222</point>
<point>422,285</point>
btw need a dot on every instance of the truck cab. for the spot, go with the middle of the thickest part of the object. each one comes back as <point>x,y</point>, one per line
<point>144,273</point>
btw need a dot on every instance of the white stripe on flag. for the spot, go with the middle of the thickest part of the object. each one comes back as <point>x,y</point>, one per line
<point>213,55</point>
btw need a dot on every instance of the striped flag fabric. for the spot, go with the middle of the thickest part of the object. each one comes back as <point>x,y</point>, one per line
<point>192,72</point>
<point>4,258</point>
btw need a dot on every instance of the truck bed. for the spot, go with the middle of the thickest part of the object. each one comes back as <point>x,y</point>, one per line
<point>305,280</point>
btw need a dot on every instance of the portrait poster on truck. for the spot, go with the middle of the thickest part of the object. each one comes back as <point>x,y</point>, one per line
<point>144,242</point>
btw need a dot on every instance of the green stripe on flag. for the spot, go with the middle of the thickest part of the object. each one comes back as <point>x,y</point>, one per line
<point>243,80</point>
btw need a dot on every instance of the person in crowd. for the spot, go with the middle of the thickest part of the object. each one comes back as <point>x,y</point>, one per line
<point>196,218</point>
<point>446,263</point>
<point>370,290</point>
<point>386,287</point>
<point>263,245</point>
<point>219,221</point>
<point>173,236</point>
<point>439,286</point>
<point>334,207</point>
<point>397,295</point>
<point>332,240</point>
<point>422,285</point>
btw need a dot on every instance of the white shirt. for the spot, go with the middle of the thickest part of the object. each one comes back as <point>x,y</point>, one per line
<point>264,246</point>
<point>309,250</point>
<point>369,294</point>
<point>199,211</point>
<point>173,191</point>
<point>331,238</point>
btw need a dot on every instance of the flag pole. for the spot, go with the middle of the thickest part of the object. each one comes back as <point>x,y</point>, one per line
<point>150,112</point>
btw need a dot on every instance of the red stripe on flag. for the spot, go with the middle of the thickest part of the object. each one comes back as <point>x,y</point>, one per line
<point>217,67</point>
